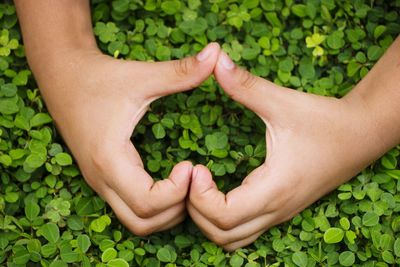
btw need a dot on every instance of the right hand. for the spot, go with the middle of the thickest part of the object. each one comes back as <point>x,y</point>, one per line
<point>96,101</point>
<point>314,144</point>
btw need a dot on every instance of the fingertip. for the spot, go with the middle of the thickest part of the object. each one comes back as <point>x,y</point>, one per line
<point>210,51</point>
<point>225,62</point>
<point>225,72</point>
<point>201,179</point>
<point>181,174</point>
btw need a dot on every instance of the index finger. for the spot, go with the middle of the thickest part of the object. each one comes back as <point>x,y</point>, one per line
<point>136,187</point>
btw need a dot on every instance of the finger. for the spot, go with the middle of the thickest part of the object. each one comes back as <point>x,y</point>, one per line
<point>174,76</point>
<point>177,220</point>
<point>237,207</point>
<point>137,188</point>
<point>223,237</point>
<point>140,226</point>
<point>247,241</point>
<point>257,94</point>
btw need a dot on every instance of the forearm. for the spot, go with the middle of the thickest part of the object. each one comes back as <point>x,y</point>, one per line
<point>53,28</point>
<point>378,94</point>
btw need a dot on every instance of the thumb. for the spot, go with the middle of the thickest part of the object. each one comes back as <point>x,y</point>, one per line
<point>257,94</point>
<point>202,182</point>
<point>175,76</point>
<point>204,193</point>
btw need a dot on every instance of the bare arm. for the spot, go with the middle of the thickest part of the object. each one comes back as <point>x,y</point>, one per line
<point>96,102</point>
<point>314,144</point>
<point>50,27</point>
<point>379,92</point>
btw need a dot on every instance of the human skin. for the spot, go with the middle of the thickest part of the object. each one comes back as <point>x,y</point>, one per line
<point>96,102</point>
<point>314,144</point>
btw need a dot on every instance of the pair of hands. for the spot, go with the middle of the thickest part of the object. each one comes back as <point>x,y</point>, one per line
<point>314,143</point>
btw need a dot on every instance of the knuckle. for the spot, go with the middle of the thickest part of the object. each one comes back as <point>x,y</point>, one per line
<point>144,210</point>
<point>142,230</point>
<point>229,247</point>
<point>247,80</point>
<point>182,67</point>
<point>225,223</point>
<point>218,238</point>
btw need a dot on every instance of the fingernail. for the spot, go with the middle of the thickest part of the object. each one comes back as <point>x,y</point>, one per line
<point>204,54</point>
<point>226,61</point>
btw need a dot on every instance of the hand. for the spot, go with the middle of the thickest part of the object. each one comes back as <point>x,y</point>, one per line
<point>96,102</point>
<point>314,144</point>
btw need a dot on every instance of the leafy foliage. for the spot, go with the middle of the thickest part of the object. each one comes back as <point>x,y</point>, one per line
<point>49,216</point>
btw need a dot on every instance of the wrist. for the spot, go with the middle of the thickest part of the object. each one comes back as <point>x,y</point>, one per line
<point>57,62</point>
<point>365,116</point>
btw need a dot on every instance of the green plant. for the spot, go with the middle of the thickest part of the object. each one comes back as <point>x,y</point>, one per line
<point>49,216</point>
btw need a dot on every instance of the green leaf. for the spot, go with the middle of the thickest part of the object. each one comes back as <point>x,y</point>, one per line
<point>108,254</point>
<point>84,206</point>
<point>11,197</point>
<point>21,255</point>
<point>194,27</point>
<point>171,7</point>
<point>8,90</point>
<point>370,218</point>
<point>153,165</point>
<point>333,235</point>
<point>315,40</point>
<point>335,40</point>
<point>9,105</point>
<point>387,256</point>
<point>379,30</point>
<point>167,122</point>
<point>300,259</point>
<point>163,53</point>
<point>63,159</point>
<point>83,243</point>
<point>51,232</point>
<point>393,173</point>
<point>352,68</point>
<point>345,223</point>
<point>32,210</point>
<point>74,222</point>
<point>117,263</point>
<point>181,241</point>
<point>396,247</point>
<point>218,169</point>
<point>306,68</point>
<point>166,254</point>
<point>120,5</point>
<point>48,249</point>
<point>347,258</point>
<point>35,160</point>
<point>40,119</point>
<point>100,224</point>
<point>236,261</point>
<point>374,52</point>
<point>68,255</point>
<point>286,65</point>
<point>217,140</point>
<point>58,263</point>
<point>158,130</point>
<point>299,10</point>
<point>21,78</point>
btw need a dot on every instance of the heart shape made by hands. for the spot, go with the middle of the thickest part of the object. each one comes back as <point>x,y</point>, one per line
<point>303,159</point>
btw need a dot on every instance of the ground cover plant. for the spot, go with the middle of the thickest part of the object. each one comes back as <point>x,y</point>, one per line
<point>49,216</point>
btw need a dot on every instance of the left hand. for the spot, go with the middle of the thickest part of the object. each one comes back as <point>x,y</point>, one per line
<point>315,143</point>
